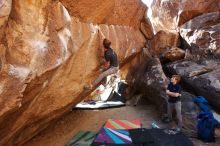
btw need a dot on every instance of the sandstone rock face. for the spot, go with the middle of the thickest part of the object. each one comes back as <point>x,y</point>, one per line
<point>49,55</point>
<point>198,25</point>
<point>146,75</point>
<point>188,106</point>
<point>117,12</point>
<point>49,50</point>
<point>200,79</point>
<point>5,9</point>
<point>169,14</point>
<point>196,21</point>
<point>146,28</point>
<point>163,41</point>
<point>189,110</point>
<point>174,54</point>
<point>203,34</point>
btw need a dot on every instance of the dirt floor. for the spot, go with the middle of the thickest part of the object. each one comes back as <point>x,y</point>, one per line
<point>63,130</point>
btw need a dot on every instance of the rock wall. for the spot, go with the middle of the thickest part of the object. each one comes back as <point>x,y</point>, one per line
<point>116,12</point>
<point>203,35</point>
<point>199,79</point>
<point>50,50</point>
<point>184,31</point>
<point>145,74</point>
<point>5,9</point>
<point>170,14</point>
<point>197,22</point>
<point>163,41</point>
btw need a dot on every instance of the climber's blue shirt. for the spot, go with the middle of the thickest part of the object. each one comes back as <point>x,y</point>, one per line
<point>174,88</point>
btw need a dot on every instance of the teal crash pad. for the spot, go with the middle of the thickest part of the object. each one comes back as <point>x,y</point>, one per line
<point>82,138</point>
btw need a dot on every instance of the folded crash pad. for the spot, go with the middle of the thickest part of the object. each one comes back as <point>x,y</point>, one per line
<point>122,124</point>
<point>82,138</point>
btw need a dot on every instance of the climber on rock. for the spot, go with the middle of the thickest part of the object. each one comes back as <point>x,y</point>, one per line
<point>111,65</point>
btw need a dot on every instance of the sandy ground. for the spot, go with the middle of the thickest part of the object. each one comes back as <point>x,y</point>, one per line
<point>63,130</point>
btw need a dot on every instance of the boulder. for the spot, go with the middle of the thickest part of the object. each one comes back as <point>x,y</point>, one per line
<point>163,41</point>
<point>202,34</point>
<point>188,106</point>
<point>146,28</point>
<point>174,54</point>
<point>170,14</point>
<point>116,12</point>
<point>5,9</point>
<point>200,79</point>
<point>189,112</point>
<point>146,75</point>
